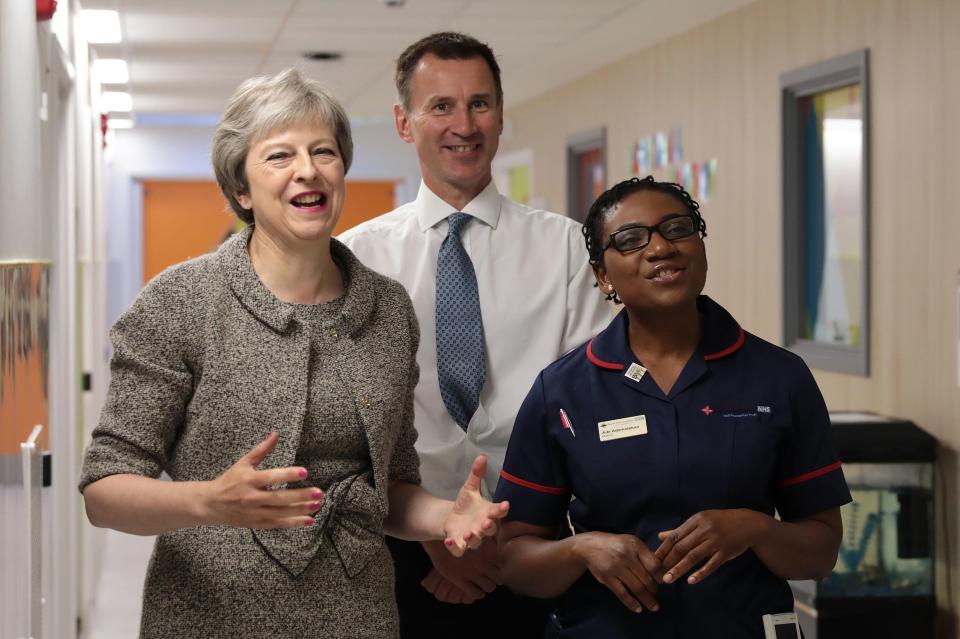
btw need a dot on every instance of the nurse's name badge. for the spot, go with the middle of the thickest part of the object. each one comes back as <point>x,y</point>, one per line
<point>623,427</point>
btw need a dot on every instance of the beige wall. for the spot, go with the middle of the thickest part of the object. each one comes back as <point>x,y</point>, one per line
<point>720,83</point>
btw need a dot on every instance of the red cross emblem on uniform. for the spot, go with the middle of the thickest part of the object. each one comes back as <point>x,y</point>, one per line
<point>706,410</point>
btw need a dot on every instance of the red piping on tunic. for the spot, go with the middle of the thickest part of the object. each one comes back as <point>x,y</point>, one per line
<point>736,346</point>
<point>550,490</point>
<point>599,362</point>
<point>811,475</point>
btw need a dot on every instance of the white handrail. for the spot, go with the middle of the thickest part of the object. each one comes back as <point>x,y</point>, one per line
<point>32,482</point>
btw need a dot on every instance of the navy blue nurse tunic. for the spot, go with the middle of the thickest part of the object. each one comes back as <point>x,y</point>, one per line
<point>744,426</point>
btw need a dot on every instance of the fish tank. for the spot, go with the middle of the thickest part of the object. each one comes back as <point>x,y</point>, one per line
<point>882,584</point>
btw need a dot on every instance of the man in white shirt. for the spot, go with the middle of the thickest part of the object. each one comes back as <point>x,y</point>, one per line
<point>536,299</point>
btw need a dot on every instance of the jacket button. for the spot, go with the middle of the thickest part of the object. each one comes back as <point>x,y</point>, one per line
<point>365,401</point>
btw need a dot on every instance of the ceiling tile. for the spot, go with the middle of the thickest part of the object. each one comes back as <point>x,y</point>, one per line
<point>188,56</point>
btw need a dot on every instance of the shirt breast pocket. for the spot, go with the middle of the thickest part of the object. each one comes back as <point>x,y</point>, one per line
<point>757,441</point>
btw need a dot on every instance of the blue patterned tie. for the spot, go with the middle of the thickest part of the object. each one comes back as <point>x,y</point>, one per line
<point>460,357</point>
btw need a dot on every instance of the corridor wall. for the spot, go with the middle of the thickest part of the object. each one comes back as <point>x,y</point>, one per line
<point>720,83</point>
<point>48,253</point>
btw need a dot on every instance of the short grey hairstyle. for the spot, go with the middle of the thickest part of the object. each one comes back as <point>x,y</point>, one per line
<point>265,104</point>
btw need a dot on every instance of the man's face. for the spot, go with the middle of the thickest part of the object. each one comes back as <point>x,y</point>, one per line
<point>455,120</point>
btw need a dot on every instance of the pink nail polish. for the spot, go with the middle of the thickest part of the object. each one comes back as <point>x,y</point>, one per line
<point>315,505</point>
<point>309,522</point>
<point>302,472</point>
<point>316,494</point>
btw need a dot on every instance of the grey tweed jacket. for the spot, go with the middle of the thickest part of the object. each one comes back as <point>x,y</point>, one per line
<point>207,362</point>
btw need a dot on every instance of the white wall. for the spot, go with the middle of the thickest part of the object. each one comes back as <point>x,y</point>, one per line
<point>20,135</point>
<point>45,126</point>
<point>379,154</point>
<point>133,155</point>
<point>21,238</point>
<point>183,153</point>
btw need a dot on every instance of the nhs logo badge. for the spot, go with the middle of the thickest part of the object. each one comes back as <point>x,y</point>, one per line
<point>763,409</point>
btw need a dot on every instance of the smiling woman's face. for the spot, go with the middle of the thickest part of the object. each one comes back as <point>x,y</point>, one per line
<point>664,275</point>
<point>296,181</point>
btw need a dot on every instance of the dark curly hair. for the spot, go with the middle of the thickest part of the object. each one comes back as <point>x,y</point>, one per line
<point>593,226</point>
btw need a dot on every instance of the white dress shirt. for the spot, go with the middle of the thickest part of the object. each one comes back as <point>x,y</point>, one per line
<point>537,300</point>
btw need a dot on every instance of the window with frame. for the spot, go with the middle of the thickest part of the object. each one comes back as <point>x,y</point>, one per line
<point>826,213</point>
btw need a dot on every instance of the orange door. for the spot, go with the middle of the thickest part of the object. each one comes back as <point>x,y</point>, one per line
<point>365,200</point>
<point>184,219</point>
<point>181,220</point>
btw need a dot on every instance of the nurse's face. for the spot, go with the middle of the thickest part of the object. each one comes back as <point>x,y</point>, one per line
<point>665,275</point>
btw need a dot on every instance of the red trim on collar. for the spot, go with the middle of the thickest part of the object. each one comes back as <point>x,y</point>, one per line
<point>735,347</point>
<point>550,490</point>
<point>811,475</point>
<point>599,362</point>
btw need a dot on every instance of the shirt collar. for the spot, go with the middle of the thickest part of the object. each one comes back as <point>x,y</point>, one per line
<point>237,269</point>
<point>721,337</point>
<point>431,210</point>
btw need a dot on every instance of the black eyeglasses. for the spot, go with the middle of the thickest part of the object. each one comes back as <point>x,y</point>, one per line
<point>637,236</point>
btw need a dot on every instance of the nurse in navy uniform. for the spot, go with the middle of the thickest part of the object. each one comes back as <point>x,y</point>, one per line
<point>694,459</point>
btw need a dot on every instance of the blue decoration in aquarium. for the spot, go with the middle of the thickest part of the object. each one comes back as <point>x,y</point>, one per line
<point>852,557</point>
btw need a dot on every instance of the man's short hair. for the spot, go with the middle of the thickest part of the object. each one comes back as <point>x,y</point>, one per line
<point>447,45</point>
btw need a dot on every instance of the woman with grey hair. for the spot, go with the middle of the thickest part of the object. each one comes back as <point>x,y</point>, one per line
<point>273,382</point>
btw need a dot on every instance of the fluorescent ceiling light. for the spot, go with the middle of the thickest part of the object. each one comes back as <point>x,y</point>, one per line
<point>119,123</point>
<point>100,26</point>
<point>111,71</point>
<point>116,101</point>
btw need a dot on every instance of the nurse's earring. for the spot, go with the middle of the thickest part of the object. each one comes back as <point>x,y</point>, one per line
<point>611,293</point>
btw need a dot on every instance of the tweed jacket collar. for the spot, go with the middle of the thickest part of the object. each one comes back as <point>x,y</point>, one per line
<point>234,262</point>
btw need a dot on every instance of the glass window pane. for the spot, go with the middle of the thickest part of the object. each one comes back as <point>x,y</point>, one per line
<point>831,136</point>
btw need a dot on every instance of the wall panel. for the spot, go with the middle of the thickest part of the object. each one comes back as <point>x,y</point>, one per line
<point>720,83</point>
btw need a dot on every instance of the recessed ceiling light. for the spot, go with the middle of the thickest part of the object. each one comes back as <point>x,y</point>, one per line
<point>100,26</point>
<point>111,71</point>
<point>116,101</point>
<point>322,56</point>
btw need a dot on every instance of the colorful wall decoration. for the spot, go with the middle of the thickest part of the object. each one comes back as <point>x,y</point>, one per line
<point>663,153</point>
<point>24,353</point>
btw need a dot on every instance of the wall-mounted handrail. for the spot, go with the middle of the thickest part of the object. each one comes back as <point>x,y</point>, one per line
<point>32,482</point>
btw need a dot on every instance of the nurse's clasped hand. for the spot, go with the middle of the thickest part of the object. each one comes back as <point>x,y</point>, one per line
<point>623,564</point>
<point>711,536</point>
<point>462,580</point>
